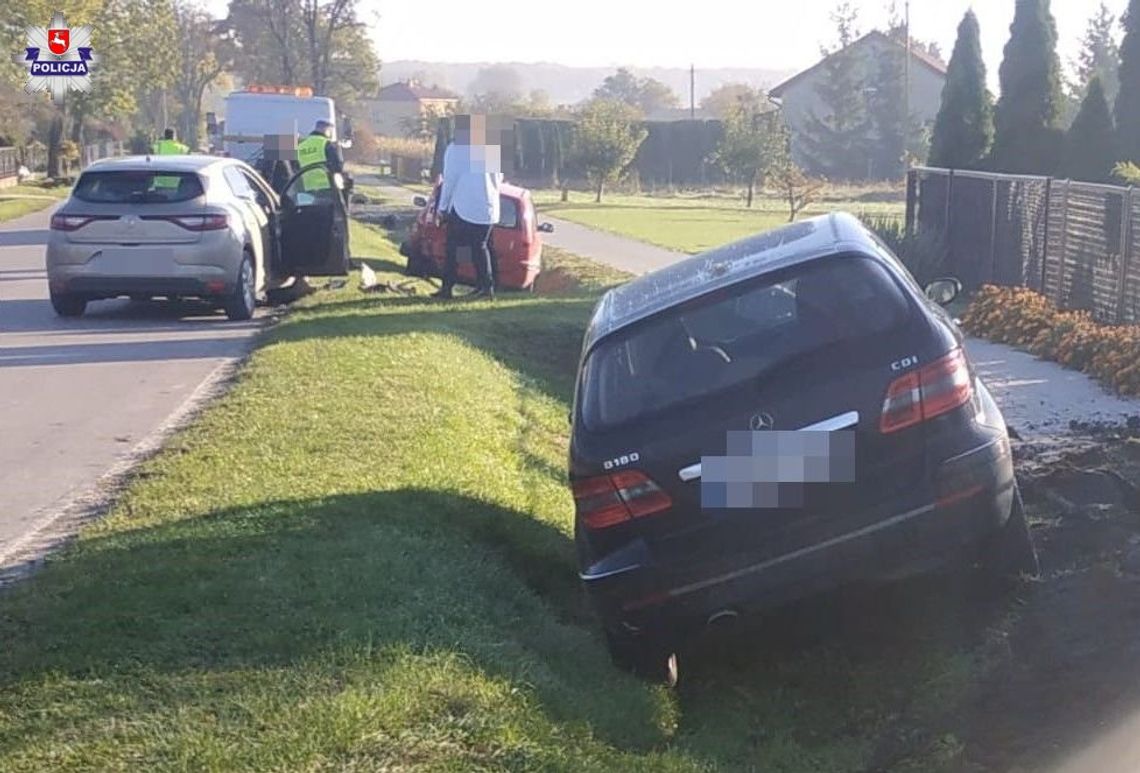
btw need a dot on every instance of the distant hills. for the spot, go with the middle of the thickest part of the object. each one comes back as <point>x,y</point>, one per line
<point>569,85</point>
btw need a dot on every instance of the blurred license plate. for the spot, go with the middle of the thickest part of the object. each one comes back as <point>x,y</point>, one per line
<point>773,470</point>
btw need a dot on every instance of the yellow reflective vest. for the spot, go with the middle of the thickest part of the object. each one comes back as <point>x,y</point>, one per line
<point>170,148</point>
<point>166,147</point>
<point>311,150</point>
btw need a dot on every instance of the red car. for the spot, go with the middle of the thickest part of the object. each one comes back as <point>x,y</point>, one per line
<point>516,244</point>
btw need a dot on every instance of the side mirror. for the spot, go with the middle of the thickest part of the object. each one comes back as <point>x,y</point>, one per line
<point>546,228</point>
<point>419,201</point>
<point>943,291</point>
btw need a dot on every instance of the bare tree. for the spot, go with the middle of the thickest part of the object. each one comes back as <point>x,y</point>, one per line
<point>205,51</point>
<point>322,20</point>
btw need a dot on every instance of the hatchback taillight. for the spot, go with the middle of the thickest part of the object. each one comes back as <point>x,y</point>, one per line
<point>927,393</point>
<point>194,222</point>
<point>70,222</point>
<point>612,499</point>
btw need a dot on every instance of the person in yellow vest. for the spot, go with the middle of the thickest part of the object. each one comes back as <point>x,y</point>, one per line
<point>168,146</point>
<point>319,148</point>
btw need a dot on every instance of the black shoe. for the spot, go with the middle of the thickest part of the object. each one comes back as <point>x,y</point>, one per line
<point>444,295</point>
<point>482,292</point>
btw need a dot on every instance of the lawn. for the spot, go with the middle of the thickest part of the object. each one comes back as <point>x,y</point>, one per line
<point>361,558</point>
<point>694,223</point>
<point>21,200</point>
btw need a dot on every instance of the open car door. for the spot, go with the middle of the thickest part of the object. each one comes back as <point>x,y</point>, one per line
<point>314,225</point>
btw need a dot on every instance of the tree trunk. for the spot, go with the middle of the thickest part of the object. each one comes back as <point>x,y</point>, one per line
<point>751,189</point>
<point>56,133</point>
<point>565,192</point>
<point>601,186</point>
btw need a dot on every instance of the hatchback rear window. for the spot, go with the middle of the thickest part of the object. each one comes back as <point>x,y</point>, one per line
<point>508,212</point>
<point>743,333</point>
<point>138,187</point>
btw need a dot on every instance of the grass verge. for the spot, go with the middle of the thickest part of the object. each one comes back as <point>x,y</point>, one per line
<point>21,200</point>
<point>361,558</point>
<point>694,223</point>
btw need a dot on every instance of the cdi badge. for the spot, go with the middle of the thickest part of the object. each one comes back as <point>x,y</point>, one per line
<point>58,58</point>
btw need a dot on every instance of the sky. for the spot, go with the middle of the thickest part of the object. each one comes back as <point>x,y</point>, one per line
<point>775,34</point>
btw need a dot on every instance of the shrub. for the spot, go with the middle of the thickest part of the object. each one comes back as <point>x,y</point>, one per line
<point>1023,318</point>
<point>923,252</point>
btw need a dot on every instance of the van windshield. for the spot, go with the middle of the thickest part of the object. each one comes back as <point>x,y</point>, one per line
<point>747,332</point>
<point>138,187</point>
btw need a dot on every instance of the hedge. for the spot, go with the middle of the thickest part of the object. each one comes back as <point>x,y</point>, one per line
<point>1026,319</point>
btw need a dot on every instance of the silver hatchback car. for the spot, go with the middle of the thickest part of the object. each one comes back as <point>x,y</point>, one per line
<point>188,227</point>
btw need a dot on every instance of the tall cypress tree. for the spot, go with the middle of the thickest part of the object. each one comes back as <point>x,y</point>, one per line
<point>964,128</point>
<point>1027,137</point>
<point>1089,154</point>
<point>1128,101</point>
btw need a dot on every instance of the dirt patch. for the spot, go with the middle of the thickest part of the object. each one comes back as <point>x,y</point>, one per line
<point>556,281</point>
<point>1069,676</point>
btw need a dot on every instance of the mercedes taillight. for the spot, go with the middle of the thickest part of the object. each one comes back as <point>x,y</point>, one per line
<point>608,500</point>
<point>927,393</point>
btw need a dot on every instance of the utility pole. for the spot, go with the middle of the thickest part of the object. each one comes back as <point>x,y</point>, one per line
<point>692,91</point>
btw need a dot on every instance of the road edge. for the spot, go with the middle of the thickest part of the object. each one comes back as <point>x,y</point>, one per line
<point>62,523</point>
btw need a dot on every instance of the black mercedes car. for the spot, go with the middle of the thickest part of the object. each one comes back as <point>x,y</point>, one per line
<point>773,419</point>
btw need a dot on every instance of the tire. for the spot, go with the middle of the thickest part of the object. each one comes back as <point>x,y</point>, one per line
<point>645,658</point>
<point>68,305</point>
<point>242,302</point>
<point>1010,552</point>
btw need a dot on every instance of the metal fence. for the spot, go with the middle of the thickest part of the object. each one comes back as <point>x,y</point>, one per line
<point>1072,241</point>
<point>34,157</point>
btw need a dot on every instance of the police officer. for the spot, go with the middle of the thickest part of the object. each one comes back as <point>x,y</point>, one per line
<point>318,148</point>
<point>168,146</point>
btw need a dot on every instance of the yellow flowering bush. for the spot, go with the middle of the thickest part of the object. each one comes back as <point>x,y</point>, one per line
<point>1021,317</point>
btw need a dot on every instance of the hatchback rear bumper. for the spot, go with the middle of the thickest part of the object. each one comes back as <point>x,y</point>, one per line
<point>969,500</point>
<point>95,287</point>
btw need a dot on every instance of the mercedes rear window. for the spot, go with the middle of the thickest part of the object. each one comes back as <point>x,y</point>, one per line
<point>138,187</point>
<point>744,333</point>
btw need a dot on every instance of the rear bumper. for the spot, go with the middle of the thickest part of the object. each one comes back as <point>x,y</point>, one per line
<point>205,268</point>
<point>95,287</point>
<point>969,500</point>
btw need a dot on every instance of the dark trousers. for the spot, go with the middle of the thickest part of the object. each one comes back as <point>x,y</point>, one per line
<point>468,241</point>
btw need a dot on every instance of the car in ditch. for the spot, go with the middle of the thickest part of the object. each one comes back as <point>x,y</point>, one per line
<point>779,417</point>
<point>191,226</point>
<point>516,241</point>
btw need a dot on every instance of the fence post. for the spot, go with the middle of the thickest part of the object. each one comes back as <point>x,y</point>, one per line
<point>911,200</point>
<point>993,231</point>
<point>947,224</point>
<point>1125,247</point>
<point>1064,244</point>
<point>1045,246</point>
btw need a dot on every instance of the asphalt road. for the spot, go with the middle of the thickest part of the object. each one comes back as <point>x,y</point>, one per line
<point>77,397</point>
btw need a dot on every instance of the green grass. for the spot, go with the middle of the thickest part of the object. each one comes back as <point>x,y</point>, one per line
<point>21,200</point>
<point>361,558</point>
<point>694,223</point>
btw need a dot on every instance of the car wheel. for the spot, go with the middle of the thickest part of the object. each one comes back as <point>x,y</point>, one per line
<point>68,305</point>
<point>1010,552</point>
<point>644,657</point>
<point>241,304</point>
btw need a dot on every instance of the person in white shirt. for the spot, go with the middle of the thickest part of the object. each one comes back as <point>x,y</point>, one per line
<point>469,203</point>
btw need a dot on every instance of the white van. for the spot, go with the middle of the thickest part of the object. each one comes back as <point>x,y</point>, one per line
<point>258,111</point>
